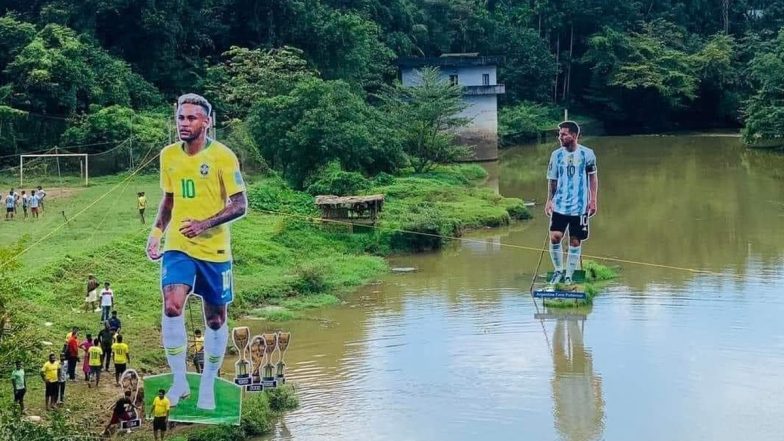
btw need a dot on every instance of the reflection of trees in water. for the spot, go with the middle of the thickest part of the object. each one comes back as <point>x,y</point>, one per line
<point>696,202</point>
<point>577,390</point>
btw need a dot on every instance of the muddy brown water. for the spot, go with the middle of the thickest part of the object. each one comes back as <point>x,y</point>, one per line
<point>454,351</point>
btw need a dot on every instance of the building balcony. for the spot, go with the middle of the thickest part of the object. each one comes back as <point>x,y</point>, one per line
<point>496,89</point>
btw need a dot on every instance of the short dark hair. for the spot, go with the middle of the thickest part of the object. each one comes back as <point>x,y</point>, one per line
<point>198,331</point>
<point>192,98</point>
<point>161,391</point>
<point>114,312</point>
<point>571,126</point>
<point>119,338</point>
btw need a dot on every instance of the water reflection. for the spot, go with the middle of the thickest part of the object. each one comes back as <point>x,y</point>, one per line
<point>578,403</point>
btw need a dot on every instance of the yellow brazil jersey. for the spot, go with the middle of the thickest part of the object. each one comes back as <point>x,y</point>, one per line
<point>120,352</point>
<point>160,407</point>
<point>201,185</point>
<point>50,371</point>
<point>94,354</point>
<point>142,202</point>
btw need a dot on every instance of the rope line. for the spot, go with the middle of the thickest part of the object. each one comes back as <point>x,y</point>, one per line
<point>513,246</point>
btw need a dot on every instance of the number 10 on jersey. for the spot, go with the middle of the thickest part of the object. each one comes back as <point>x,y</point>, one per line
<point>188,188</point>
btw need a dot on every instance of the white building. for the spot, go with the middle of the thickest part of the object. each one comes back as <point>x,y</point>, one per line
<point>477,75</point>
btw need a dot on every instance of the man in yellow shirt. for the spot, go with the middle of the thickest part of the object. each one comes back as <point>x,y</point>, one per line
<point>141,202</point>
<point>95,355</point>
<point>160,414</point>
<point>122,357</point>
<point>203,191</point>
<point>198,350</point>
<point>49,374</point>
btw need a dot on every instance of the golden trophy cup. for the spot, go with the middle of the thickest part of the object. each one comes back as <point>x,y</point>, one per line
<point>270,344</point>
<point>283,343</point>
<point>240,336</point>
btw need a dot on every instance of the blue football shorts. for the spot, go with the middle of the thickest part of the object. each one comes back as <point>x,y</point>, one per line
<point>212,281</point>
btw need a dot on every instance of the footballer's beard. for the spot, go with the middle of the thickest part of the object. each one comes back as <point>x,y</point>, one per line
<point>189,136</point>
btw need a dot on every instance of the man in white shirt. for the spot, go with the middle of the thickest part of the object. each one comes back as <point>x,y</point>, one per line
<point>107,301</point>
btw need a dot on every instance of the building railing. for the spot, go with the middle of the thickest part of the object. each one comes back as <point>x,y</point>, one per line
<point>496,89</point>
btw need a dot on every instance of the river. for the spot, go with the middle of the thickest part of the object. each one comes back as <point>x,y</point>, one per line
<point>454,351</point>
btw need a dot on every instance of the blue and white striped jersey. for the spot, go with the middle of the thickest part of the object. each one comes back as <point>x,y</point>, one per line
<point>571,170</point>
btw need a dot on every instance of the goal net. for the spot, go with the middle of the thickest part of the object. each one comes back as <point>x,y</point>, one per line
<point>54,168</point>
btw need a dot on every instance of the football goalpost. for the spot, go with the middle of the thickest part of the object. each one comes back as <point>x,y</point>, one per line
<point>83,164</point>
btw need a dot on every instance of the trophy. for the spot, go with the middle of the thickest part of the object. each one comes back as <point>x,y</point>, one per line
<point>130,383</point>
<point>270,343</point>
<point>257,355</point>
<point>240,337</point>
<point>283,344</point>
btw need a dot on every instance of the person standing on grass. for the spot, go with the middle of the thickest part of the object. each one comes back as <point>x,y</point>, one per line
<point>62,375</point>
<point>198,351</point>
<point>49,375</point>
<point>106,339</point>
<point>41,195</point>
<point>34,202</point>
<point>114,323</point>
<point>92,293</point>
<point>19,383</point>
<point>85,346</point>
<point>25,200</point>
<point>122,357</point>
<point>141,203</point>
<point>10,205</point>
<point>72,353</point>
<point>107,301</point>
<point>96,354</point>
<point>160,415</point>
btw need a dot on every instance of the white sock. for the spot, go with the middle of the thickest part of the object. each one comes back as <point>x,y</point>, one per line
<point>214,349</point>
<point>174,342</point>
<point>556,256</point>
<point>573,260</point>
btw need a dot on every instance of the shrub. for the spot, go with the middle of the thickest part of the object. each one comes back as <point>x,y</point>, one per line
<point>282,398</point>
<point>332,180</point>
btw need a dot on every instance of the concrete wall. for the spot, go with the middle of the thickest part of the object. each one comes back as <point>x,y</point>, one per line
<point>466,76</point>
<point>482,131</point>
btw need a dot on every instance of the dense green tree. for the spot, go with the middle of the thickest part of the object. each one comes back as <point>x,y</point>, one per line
<point>425,118</point>
<point>319,122</point>
<point>765,109</point>
<point>246,75</point>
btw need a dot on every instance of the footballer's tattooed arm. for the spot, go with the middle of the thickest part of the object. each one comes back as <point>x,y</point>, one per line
<point>234,209</point>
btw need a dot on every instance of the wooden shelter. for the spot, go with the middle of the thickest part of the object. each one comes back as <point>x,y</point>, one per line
<point>353,209</point>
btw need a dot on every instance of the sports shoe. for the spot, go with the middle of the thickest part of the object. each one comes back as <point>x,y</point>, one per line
<point>557,276</point>
<point>177,392</point>
<point>568,281</point>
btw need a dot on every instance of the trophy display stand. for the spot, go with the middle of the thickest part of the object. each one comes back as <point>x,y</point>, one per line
<point>270,344</point>
<point>283,343</point>
<point>130,383</point>
<point>257,357</point>
<point>260,372</point>
<point>241,337</point>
